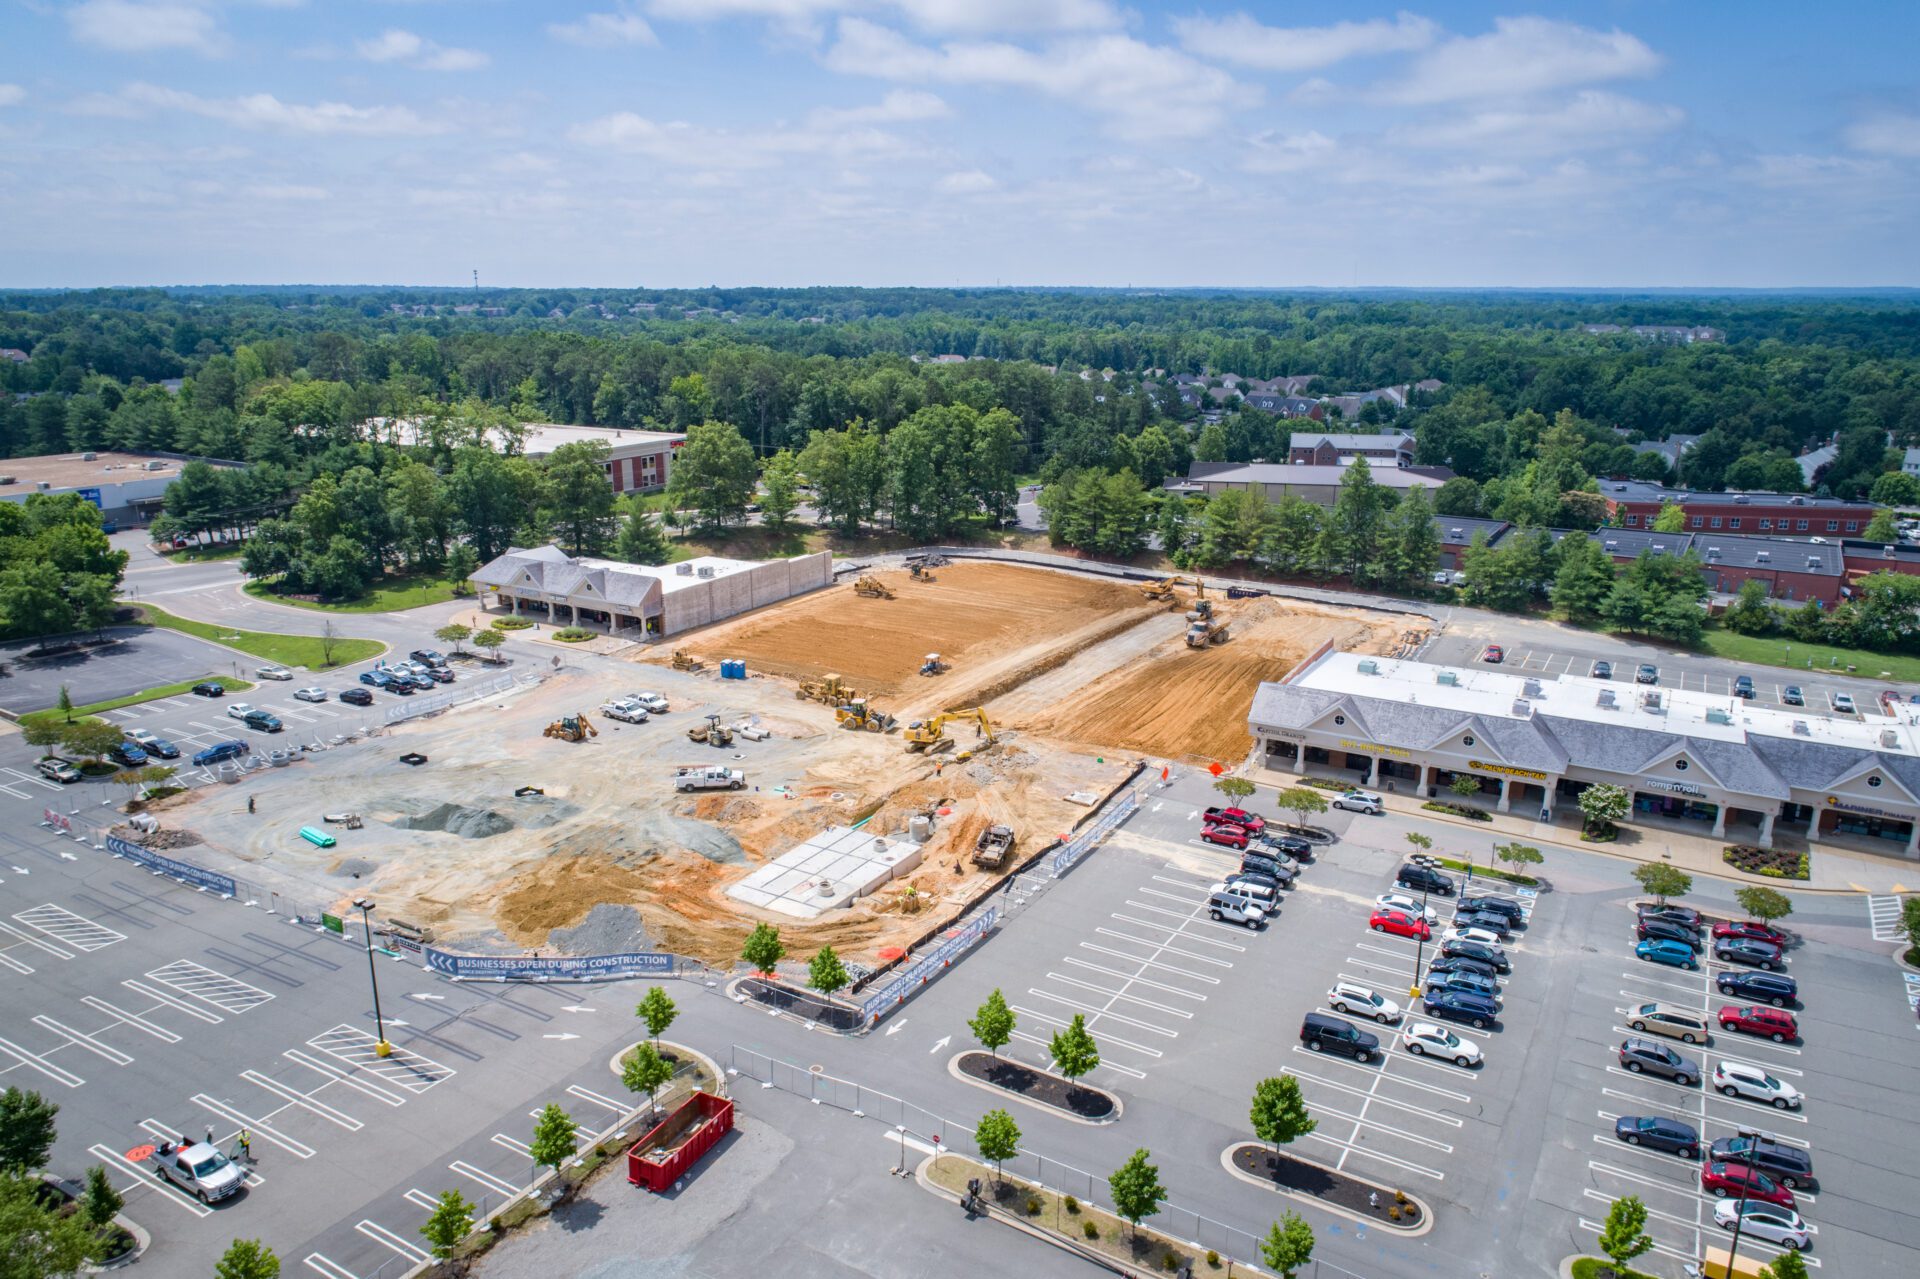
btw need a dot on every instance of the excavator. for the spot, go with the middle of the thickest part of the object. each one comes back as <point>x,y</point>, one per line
<point>857,714</point>
<point>832,690</point>
<point>924,734</point>
<point>872,587</point>
<point>712,732</point>
<point>572,728</point>
<point>1163,589</point>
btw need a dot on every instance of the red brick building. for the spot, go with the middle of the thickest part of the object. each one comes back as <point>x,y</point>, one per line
<point>1637,505</point>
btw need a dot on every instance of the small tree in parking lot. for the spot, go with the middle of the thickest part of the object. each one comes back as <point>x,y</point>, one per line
<point>763,948</point>
<point>454,633</point>
<point>553,1137</point>
<point>1073,1050</point>
<point>26,1130</point>
<point>657,1010</point>
<point>100,1201</point>
<point>1763,903</point>
<point>1789,1264</point>
<point>489,642</point>
<point>825,972</point>
<point>1422,844</point>
<point>1234,788</point>
<point>1910,920</point>
<point>1624,1236</point>
<point>1517,855</point>
<point>998,1138</point>
<point>1602,806</point>
<point>91,738</point>
<point>452,1221</point>
<point>1288,1247</point>
<point>65,705</point>
<point>1302,801</point>
<point>247,1259</point>
<point>1136,1190</point>
<point>1663,881</point>
<point>645,1070</point>
<point>993,1024</point>
<point>1279,1112</point>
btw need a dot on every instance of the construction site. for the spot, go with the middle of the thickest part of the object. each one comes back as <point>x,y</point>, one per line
<point>880,753</point>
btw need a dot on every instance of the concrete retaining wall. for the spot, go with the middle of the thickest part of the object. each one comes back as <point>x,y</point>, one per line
<point>713,599</point>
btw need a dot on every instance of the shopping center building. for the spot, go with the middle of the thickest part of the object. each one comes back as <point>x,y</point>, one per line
<point>1714,764</point>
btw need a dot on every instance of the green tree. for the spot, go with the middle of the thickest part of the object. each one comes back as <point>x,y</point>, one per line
<point>454,633</point>
<point>763,948</point>
<point>1895,488</point>
<point>1465,785</point>
<point>1409,543</point>
<point>1279,1111</point>
<point>450,1222</point>
<point>37,1241</point>
<point>553,1136</point>
<point>645,1070</point>
<point>1663,880</point>
<point>576,497</point>
<point>1302,801</point>
<point>26,1131</point>
<point>1910,924</point>
<point>825,972</point>
<point>1517,855</point>
<point>780,488</point>
<point>1136,1190</point>
<point>1762,903</point>
<point>1351,535</point>
<point>247,1259</point>
<point>1288,1246</point>
<point>488,641</point>
<point>65,705</point>
<point>100,1202</point>
<point>1422,842</point>
<point>1788,1265</point>
<point>1624,1237</point>
<point>1671,519</point>
<point>1884,527</point>
<point>642,538</point>
<point>1750,614</point>
<point>1234,788</point>
<point>993,1024</point>
<point>847,469</point>
<point>1603,806</point>
<point>1073,1051</point>
<point>998,1138</point>
<point>713,474</point>
<point>460,567</point>
<point>656,1009</point>
<point>491,496</point>
<point>1584,581</point>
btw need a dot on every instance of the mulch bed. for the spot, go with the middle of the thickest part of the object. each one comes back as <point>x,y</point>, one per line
<point>1337,1188</point>
<point>1774,863</point>
<point>1083,1100</point>
<point>801,1003</point>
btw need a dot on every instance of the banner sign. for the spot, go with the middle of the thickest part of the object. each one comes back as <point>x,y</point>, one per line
<point>1504,770</point>
<point>185,872</point>
<point>59,821</point>
<point>553,968</point>
<point>910,978</point>
<point>1849,806</point>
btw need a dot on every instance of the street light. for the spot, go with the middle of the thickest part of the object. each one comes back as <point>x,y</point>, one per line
<point>381,1047</point>
<point>1420,946</point>
<point>1752,1137</point>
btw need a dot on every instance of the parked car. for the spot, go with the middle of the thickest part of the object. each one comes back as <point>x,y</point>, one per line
<point>1407,906</point>
<point>127,754</point>
<point>1792,696</point>
<point>263,722</point>
<point>1361,1001</point>
<point>1249,822</point>
<point>1359,801</point>
<point>1279,869</point>
<point>1321,1033</point>
<point>1460,964</point>
<point>199,1169</point>
<point>1842,702</point>
<point>57,769</point>
<point>1769,988</point>
<point>1761,1220</point>
<point>1399,925</point>
<point>1647,673</point>
<point>356,697</point>
<point>1791,1166</point>
<point>1493,653</point>
<point>209,688</point>
<point>1235,908</point>
<point>376,678</point>
<point>624,710</point>
<point>1424,1039</point>
<point>1486,921</point>
<point>1461,980</point>
<point>427,657</point>
<point>1674,1022</point>
<point>1678,914</point>
<point>1511,909</point>
<point>1457,1005</point>
<point>220,751</point>
<point>1492,956</point>
<point>1656,1132</point>
<point>1483,936</point>
<point>1225,836</point>
<point>1752,930</point>
<point>1441,577</point>
<point>1650,1056</point>
<point>1737,1079</point>
<point>1743,686</point>
<point>1667,930</point>
<point>1721,1179</point>
<point>152,744</point>
<point>1742,950</point>
<point>310,694</point>
<point>1674,954</point>
<point>1759,1019</point>
<point>1602,669</point>
<point>1423,879</point>
<point>239,710</point>
<point>272,672</point>
<point>1291,845</point>
<point>655,704</point>
<point>1262,890</point>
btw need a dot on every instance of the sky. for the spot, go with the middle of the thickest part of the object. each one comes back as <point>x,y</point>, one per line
<point>685,143</point>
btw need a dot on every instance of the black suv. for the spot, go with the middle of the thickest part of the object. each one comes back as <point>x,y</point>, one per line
<point>1492,956</point>
<point>1511,909</point>
<point>1424,879</point>
<point>1762,988</point>
<point>1258,863</point>
<point>1639,1055</point>
<point>1291,845</point>
<point>1791,1166</point>
<point>1685,916</point>
<point>1321,1033</point>
<point>1655,929</point>
<point>1743,687</point>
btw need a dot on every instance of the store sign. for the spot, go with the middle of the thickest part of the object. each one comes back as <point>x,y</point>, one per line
<point>1677,788</point>
<point>1291,736</point>
<point>1848,806</point>
<point>1504,771</point>
<point>1376,748</point>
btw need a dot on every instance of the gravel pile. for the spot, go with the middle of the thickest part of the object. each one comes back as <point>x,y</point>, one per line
<point>537,812</point>
<point>607,930</point>
<point>458,819</point>
<point>354,867</point>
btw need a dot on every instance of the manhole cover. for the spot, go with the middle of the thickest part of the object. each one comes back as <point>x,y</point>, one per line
<point>816,1070</point>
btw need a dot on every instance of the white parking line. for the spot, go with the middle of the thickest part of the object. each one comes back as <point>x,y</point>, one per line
<point>1149,963</point>
<point>513,1144</point>
<point>84,1040</point>
<point>1166,947</point>
<point>228,994</point>
<point>295,1097</point>
<point>1147,1026</point>
<point>139,1023</point>
<point>1132,999</point>
<point>35,942</point>
<point>335,1075</point>
<point>328,1267</point>
<point>1137,981</point>
<point>1105,1039</point>
<point>587,1094</point>
<point>403,1067</point>
<point>1707,1093</point>
<point>75,930</point>
<point>41,1064</point>
<point>381,1235</point>
<point>1195,937</point>
<point>291,1145</point>
<point>1409,1059</point>
<point>485,1178</point>
<point>31,779</point>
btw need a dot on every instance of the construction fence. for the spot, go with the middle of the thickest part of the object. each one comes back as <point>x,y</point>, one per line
<point>461,692</point>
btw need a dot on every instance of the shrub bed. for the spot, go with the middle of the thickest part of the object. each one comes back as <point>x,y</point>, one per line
<point>1774,863</point>
<point>573,634</point>
<point>511,623</point>
<point>1489,872</point>
<point>1456,810</point>
<point>1328,783</point>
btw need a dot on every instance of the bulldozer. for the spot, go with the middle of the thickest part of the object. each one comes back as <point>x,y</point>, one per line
<point>925,734</point>
<point>934,665</point>
<point>832,690</point>
<point>712,732</point>
<point>857,714</point>
<point>872,587</point>
<point>685,661</point>
<point>919,572</point>
<point>572,728</point>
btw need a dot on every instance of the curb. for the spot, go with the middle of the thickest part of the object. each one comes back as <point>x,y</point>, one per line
<point>1119,1106</point>
<point>1396,1232</point>
<point>713,1067</point>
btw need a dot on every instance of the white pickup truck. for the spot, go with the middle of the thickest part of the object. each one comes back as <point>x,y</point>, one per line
<point>708,777</point>
<point>197,1168</point>
<point>626,709</point>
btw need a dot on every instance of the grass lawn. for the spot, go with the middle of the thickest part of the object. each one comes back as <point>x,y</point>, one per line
<point>283,650</point>
<point>388,595</point>
<point>228,682</point>
<point>197,554</point>
<point>1792,654</point>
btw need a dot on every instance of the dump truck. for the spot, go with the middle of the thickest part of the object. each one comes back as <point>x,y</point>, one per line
<point>572,728</point>
<point>991,849</point>
<point>712,732</point>
<point>924,734</point>
<point>857,714</point>
<point>708,777</point>
<point>872,587</point>
<point>1204,632</point>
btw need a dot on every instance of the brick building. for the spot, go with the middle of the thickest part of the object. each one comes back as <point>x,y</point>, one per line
<point>1638,504</point>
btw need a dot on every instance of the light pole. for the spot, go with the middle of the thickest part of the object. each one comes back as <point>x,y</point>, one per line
<point>1752,1137</point>
<point>1420,946</point>
<point>381,1047</point>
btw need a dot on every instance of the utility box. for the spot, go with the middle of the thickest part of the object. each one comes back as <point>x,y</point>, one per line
<point>676,1144</point>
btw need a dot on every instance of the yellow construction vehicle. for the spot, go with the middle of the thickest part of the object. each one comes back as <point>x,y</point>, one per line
<point>857,714</point>
<point>873,587</point>
<point>572,728</point>
<point>1203,631</point>
<point>712,732</point>
<point>832,690</point>
<point>925,733</point>
<point>919,572</point>
<point>1163,589</point>
<point>685,661</point>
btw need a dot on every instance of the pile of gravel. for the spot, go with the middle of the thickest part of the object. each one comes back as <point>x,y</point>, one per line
<point>695,836</point>
<point>537,812</point>
<point>353,868</point>
<point>607,930</point>
<point>458,819</point>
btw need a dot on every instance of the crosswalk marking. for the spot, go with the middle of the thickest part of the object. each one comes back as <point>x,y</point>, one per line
<point>228,994</point>
<point>75,930</point>
<point>1884,914</point>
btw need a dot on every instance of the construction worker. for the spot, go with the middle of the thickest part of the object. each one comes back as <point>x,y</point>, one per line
<point>250,800</point>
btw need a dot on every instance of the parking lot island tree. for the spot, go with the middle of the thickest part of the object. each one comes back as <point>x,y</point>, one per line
<point>1910,923</point>
<point>553,1137</point>
<point>454,633</point>
<point>247,1259</point>
<point>998,1138</point>
<point>1279,1112</point>
<point>993,1024</point>
<point>1288,1246</point>
<point>1624,1236</point>
<point>1603,807</point>
<point>99,1201</point>
<point>656,1008</point>
<point>1234,788</point>
<point>1073,1051</point>
<point>26,1130</point>
<point>91,738</point>
<point>1136,1189</point>
<point>1663,881</point>
<point>1763,903</point>
<point>1517,855</point>
<point>65,704</point>
<point>489,643</point>
<point>1788,1265</point>
<point>1302,801</point>
<point>645,1070</point>
<point>825,972</point>
<point>451,1221</point>
<point>763,948</point>
<point>36,1239</point>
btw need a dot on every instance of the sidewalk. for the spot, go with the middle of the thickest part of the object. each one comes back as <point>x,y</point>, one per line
<point>1835,870</point>
<point>542,633</point>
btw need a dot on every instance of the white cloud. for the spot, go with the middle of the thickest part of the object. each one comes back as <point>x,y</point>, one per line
<point>966,182</point>
<point>123,26</point>
<point>264,111</point>
<point>710,150</point>
<point>1275,152</point>
<point>899,105</point>
<point>605,30</point>
<point>957,17</point>
<point>1784,171</point>
<point>1145,91</point>
<point>1593,118</point>
<point>1886,133</point>
<point>1521,56</point>
<point>11,94</point>
<point>395,45</point>
<point>1244,40</point>
<point>286,191</point>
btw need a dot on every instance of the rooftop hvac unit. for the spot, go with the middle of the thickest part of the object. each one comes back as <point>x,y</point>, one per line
<point>1651,701</point>
<point>1521,708</point>
<point>1605,699</point>
<point>1763,557</point>
<point>1447,677</point>
<point>1369,667</point>
<point>1612,544</point>
<point>1886,553</point>
<point>1456,532</point>
<point>705,570</point>
<point>1797,501</point>
<point>1740,499</point>
<point>1813,561</point>
<point>1532,687</point>
<point>1717,716</point>
<point>684,570</point>
<point>1800,728</point>
<point>1713,552</point>
<point>1889,738</point>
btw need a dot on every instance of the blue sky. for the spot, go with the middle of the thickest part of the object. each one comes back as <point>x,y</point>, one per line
<point>784,142</point>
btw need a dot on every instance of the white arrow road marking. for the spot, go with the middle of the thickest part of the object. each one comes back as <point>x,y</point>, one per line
<point>897,1027</point>
<point>560,1036</point>
<point>574,1008</point>
<point>421,995</point>
<point>944,1041</point>
<point>21,870</point>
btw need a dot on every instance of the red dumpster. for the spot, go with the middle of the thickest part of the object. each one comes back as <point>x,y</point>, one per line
<point>677,1142</point>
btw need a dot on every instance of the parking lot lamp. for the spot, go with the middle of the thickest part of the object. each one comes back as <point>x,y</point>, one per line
<point>1419,948</point>
<point>381,1047</point>
<point>1752,1138</point>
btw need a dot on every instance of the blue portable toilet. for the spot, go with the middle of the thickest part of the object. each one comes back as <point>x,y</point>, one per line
<point>733,668</point>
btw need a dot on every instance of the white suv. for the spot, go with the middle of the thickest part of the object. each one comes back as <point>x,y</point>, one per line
<point>1359,801</point>
<point>1737,1080</point>
<point>1347,997</point>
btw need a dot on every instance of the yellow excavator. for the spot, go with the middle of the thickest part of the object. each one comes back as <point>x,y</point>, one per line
<point>832,690</point>
<point>857,714</point>
<point>924,734</point>
<point>1163,589</point>
<point>572,728</point>
<point>872,587</point>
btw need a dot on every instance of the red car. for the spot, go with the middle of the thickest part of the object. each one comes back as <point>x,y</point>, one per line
<point>1225,836</point>
<point>1235,817</point>
<point>1776,1024</point>
<point>1494,653</point>
<point>1400,924</point>
<point>1724,1179</point>
<point>1752,930</point>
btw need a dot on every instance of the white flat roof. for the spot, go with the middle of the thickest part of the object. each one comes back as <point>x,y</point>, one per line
<point>1490,691</point>
<point>544,437</point>
<point>827,872</point>
<point>671,578</point>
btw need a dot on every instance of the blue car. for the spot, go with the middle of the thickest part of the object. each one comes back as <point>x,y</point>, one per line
<point>379,679</point>
<point>1477,1011</point>
<point>1675,954</point>
<point>220,751</point>
<point>1462,980</point>
<point>1658,1133</point>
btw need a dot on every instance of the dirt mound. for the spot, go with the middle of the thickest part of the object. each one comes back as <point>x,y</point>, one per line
<point>458,819</point>
<point>561,892</point>
<point>608,929</point>
<point>157,839</point>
